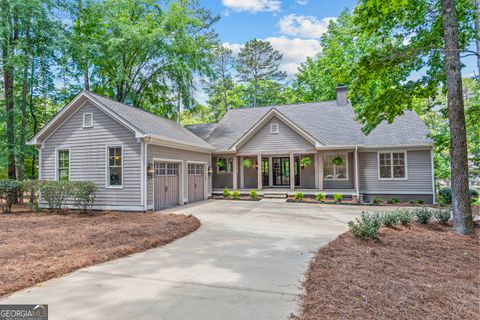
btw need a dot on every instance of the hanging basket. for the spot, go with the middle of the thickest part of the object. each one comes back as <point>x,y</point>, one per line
<point>221,163</point>
<point>305,162</point>
<point>247,163</point>
<point>338,161</point>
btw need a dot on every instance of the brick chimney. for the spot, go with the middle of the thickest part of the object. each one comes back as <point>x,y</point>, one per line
<point>341,95</point>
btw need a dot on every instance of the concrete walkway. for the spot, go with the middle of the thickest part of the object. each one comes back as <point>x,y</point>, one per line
<point>245,262</point>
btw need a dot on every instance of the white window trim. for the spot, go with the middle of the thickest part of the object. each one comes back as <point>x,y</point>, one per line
<point>226,158</point>
<point>274,125</point>
<point>91,116</point>
<point>57,150</point>
<point>107,174</point>
<point>346,166</point>
<point>391,164</point>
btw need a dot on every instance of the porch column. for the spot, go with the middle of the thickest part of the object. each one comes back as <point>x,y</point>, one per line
<point>356,174</point>
<point>315,169</point>
<point>292,171</point>
<point>235,172</point>
<point>320,170</point>
<point>270,172</point>
<point>259,172</point>
<point>242,179</point>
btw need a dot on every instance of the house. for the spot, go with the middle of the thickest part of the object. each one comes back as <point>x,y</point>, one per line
<point>145,162</point>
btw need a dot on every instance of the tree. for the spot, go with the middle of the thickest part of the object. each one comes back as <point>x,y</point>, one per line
<point>258,61</point>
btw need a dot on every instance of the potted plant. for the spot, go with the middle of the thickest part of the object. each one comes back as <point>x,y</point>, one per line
<point>247,163</point>
<point>221,163</point>
<point>338,161</point>
<point>305,162</point>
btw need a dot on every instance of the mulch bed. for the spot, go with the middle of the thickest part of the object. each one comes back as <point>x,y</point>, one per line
<point>243,198</point>
<point>416,272</point>
<point>35,247</point>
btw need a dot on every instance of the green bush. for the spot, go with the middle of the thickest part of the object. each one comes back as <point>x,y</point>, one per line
<point>389,219</point>
<point>298,196</point>
<point>320,196</point>
<point>365,227</point>
<point>393,200</point>
<point>473,195</point>
<point>32,187</point>
<point>9,191</point>
<point>422,215</point>
<point>56,193</point>
<point>442,215</point>
<point>405,217</point>
<point>226,192</point>
<point>445,195</point>
<point>419,201</point>
<point>253,194</point>
<point>337,197</point>
<point>236,194</point>
<point>376,200</point>
<point>84,193</point>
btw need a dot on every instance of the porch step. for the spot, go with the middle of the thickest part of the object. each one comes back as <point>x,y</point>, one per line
<point>274,195</point>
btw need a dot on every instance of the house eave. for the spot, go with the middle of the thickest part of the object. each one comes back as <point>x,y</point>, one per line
<point>177,144</point>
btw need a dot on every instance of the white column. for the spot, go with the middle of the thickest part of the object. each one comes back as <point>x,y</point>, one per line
<point>235,172</point>
<point>292,171</point>
<point>270,172</point>
<point>320,170</point>
<point>356,174</point>
<point>315,169</point>
<point>259,172</point>
<point>242,181</point>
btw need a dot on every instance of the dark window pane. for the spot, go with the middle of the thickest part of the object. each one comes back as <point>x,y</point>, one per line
<point>116,176</point>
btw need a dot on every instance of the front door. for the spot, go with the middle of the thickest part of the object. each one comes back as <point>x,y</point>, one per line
<point>281,171</point>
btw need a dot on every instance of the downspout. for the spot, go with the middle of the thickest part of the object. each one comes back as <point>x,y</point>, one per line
<point>356,173</point>
<point>146,142</point>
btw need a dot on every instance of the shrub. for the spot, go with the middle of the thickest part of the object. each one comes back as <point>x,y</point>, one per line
<point>389,219</point>
<point>365,227</point>
<point>226,192</point>
<point>405,217</point>
<point>422,215</point>
<point>442,215</point>
<point>253,194</point>
<point>298,196</point>
<point>376,200</point>
<point>84,193</point>
<point>419,201</point>
<point>445,195</point>
<point>56,193</point>
<point>320,196</point>
<point>473,195</point>
<point>337,197</point>
<point>236,194</point>
<point>33,188</point>
<point>393,200</point>
<point>9,191</point>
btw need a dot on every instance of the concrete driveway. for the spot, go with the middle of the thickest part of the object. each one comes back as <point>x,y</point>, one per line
<point>245,262</point>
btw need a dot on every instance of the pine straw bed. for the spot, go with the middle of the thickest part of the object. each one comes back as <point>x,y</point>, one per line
<point>419,272</point>
<point>35,247</point>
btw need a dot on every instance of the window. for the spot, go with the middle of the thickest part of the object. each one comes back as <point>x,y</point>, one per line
<point>274,128</point>
<point>332,171</point>
<point>166,169</point>
<point>224,165</point>
<point>392,165</point>
<point>63,165</point>
<point>115,162</point>
<point>88,120</point>
<point>195,169</point>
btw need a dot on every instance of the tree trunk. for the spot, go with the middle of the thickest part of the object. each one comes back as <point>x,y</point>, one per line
<point>462,210</point>
<point>32,112</point>
<point>8,79</point>
<point>26,52</point>
<point>255,90</point>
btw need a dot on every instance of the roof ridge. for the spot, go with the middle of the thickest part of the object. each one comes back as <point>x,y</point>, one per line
<point>281,105</point>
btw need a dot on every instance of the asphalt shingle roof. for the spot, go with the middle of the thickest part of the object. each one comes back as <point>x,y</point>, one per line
<point>149,123</point>
<point>327,122</point>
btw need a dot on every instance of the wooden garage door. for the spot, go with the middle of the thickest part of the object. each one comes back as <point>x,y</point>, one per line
<point>196,182</point>
<point>166,186</point>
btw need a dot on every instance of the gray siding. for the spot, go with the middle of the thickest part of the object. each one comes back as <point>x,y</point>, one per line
<point>286,140</point>
<point>88,156</point>
<point>419,172</point>
<point>154,151</point>
<point>344,184</point>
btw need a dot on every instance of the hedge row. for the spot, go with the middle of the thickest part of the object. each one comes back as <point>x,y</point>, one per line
<point>54,193</point>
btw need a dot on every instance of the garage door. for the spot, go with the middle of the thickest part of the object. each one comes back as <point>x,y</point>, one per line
<point>166,185</point>
<point>196,182</point>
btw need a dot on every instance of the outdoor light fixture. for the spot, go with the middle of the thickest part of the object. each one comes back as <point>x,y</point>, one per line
<point>150,170</point>
<point>210,171</point>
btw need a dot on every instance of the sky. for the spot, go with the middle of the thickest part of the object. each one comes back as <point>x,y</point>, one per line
<point>293,27</point>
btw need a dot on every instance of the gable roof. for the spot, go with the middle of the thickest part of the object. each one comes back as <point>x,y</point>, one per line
<point>327,122</point>
<point>143,123</point>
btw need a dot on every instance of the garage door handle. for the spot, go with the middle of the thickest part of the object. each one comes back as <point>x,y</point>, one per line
<point>166,188</point>
<point>195,185</point>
